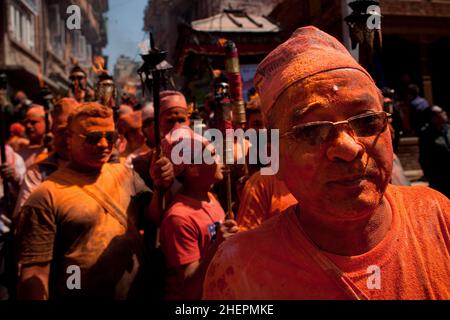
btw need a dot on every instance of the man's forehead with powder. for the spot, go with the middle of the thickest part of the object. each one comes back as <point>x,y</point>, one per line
<point>309,51</point>
<point>85,123</point>
<point>319,95</point>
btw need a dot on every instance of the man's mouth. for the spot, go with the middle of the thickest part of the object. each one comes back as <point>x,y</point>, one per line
<point>349,181</point>
<point>104,154</point>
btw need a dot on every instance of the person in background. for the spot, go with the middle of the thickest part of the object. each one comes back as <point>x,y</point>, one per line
<point>34,123</point>
<point>17,139</point>
<point>417,105</point>
<point>434,150</point>
<point>398,175</point>
<point>130,126</point>
<point>174,110</point>
<point>41,170</point>
<point>21,104</point>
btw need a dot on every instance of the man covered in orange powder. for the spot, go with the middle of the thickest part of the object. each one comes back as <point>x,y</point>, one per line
<point>174,110</point>
<point>82,220</point>
<point>130,126</point>
<point>352,236</point>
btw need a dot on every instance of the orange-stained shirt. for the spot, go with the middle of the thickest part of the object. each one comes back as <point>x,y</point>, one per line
<point>263,197</point>
<point>63,225</point>
<point>277,261</point>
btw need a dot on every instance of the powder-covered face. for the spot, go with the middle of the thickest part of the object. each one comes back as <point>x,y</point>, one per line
<point>86,154</point>
<point>171,117</point>
<point>34,125</point>
<point>346,176</point>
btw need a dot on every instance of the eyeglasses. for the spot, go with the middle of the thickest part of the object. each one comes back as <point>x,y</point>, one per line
<point>318,132</point>
<point>94,137</point>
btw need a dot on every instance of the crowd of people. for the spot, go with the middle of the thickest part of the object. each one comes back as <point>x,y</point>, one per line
<point>97,208</point>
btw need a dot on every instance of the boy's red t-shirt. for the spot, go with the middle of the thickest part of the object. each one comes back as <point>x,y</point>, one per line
<point>186,233</point>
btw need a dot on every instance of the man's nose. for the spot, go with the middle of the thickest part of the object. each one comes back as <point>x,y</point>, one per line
<point>344,147</point>
<point>103,143</point>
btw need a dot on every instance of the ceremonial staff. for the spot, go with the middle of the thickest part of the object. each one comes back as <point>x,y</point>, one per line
<point>3,88</point>
<point>151,73</point>
<point>233,74</point>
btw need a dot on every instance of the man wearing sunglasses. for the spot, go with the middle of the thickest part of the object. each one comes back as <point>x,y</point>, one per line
<point>79,226</point>
<point>352,235</point>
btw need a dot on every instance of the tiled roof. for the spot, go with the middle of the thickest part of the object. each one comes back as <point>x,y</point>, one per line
<point>234,21</point>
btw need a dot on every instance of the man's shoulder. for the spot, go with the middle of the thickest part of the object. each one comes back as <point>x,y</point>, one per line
<point>120,170</point>
<point>44,195</point>
<point>258,180</point>
<point>420,201</point>
<point>180,211</point>
<point>416,193</point>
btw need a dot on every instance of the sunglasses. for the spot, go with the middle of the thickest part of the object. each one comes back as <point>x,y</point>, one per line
<point>94,137</point>
<point>79,78</point>
<point>318,132</point>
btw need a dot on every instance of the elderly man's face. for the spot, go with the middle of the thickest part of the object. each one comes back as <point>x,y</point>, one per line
<point>344,176</point>
<point>171,117</point>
